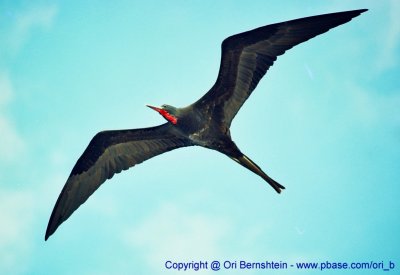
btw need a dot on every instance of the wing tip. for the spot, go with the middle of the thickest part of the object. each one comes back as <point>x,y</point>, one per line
<point>54,222</point>
<point>355,13</point>
<point>360,11</point>
<point>50,230</point>
<point>46,237</point>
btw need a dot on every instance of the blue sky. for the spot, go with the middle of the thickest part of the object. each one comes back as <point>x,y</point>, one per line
<point>324,122</point>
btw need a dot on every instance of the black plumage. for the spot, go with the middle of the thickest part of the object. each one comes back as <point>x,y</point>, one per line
<point>245,59</point>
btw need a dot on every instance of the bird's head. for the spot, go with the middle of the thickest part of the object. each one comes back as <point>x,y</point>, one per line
<point>167,111</point>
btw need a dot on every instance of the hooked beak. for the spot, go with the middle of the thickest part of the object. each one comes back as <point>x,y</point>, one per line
<point>164,113</point>
<point>154,108</point>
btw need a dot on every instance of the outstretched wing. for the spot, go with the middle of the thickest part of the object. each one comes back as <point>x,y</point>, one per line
<point>247,56</point>
<point>108,153</point>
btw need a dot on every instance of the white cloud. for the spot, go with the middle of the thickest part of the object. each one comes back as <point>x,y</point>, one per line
<point>372,108</point>
<point>11,144</point>
<point>5,89</point>
<point>388,55</point>
<point>27,21</point>
<point>16,216</point>
<point>172,233</point>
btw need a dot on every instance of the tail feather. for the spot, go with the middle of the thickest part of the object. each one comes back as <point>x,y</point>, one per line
<point>249,164</point>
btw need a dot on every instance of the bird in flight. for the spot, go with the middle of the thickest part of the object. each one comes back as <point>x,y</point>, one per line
<point>245,59</point>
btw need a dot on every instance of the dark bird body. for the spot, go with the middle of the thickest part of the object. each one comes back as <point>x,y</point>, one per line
<point>245,59</point>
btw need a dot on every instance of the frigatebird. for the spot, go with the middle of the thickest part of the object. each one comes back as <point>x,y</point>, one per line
<point>245,59</point>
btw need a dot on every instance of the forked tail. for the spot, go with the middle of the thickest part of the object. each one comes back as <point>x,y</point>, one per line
<point>249,164</point>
